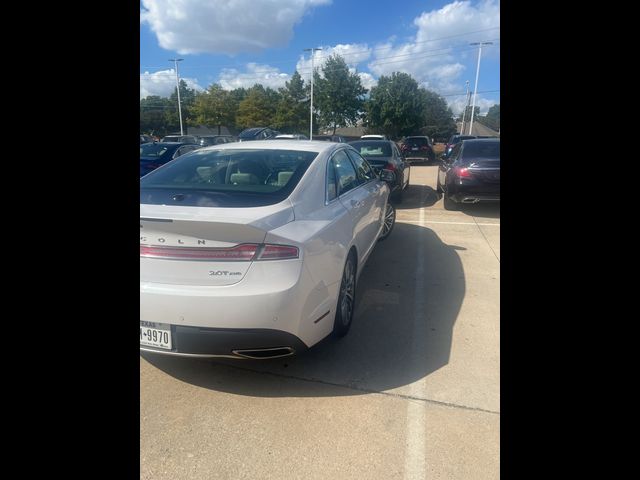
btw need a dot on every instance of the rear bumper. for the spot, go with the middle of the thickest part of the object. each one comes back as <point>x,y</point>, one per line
<point>276,305</point>
<point>230,343</point>
<point>474,197</point>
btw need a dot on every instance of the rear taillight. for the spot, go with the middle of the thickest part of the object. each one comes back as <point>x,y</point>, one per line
<point>278,252</point>
<point>424,147</point>
<point>240,253</point>
<point>462,172</point>
<point>390,166</point>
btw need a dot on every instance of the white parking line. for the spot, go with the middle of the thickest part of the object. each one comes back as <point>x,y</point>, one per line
<point>419,222</point>
<point>415,448</point>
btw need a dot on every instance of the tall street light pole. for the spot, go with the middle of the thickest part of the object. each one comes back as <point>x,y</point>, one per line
<point>464,110</point>
<point>475,90</point>
<point>312,50</point>
<point>175,61</point>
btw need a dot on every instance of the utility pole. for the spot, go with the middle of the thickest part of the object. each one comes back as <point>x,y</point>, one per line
<point>175,61</point>
<point>464,111</point>
<point>312,50</point>
<point>475,90</point>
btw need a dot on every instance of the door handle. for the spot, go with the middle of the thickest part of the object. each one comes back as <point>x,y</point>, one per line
<point>356,204</point>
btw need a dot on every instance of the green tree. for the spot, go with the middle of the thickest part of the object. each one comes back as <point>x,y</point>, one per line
<point>438,118</point>
<point>396,106</point>
<point>213,108</point>
<point>258,107</point>
<point>187,99</point>
<point>338,95</point>
<point>492,118</point>
<point>153,118</point>
<point>292,113</point>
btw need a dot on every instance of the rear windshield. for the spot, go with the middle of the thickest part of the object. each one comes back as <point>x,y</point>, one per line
<point>241,178</point>
<point>416,141</point>
<point>372,149</point>
<point>481,150</point>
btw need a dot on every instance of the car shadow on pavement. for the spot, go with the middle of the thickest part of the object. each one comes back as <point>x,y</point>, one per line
<point>482,210</point>
<point>409,296</point>
<point>417,196</point>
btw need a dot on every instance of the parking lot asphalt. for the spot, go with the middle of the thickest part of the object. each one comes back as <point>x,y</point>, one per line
<point>412,392</point>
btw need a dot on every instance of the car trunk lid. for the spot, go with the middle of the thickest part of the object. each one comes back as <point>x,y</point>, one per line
<point>204,246</point>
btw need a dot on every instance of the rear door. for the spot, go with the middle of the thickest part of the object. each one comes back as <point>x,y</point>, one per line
<point>374,203</point>
<point>353,198</point>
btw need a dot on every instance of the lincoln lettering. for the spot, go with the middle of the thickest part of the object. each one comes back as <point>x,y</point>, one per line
<point>179,241</point>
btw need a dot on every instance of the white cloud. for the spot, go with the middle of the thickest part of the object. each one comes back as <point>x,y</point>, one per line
<point>163,83</point>
<point>229,26</point>
<point>352,53</point>
<point>458,103</point>
<point>367,80</point>
<point>267,76</point>
<point>437,55</point>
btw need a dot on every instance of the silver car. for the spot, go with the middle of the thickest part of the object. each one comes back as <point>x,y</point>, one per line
<point>253,250</point>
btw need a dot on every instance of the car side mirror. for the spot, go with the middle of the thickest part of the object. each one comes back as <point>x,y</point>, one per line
<point>388,176</point>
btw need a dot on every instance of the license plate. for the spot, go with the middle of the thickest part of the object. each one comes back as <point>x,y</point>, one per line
<point>154,334</point>
<point>414,148</point>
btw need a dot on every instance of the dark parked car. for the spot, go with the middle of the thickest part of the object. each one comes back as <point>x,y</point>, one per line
<point>418,149</point>
<point>259,133</point>
<point>207,140</point>
<point>154,155</point>
<point>145,139</point>
<point>453,141</point>
<point>471,173</point>
<point>181,139</point>
<point>330,138</point>
<point>384,155</point>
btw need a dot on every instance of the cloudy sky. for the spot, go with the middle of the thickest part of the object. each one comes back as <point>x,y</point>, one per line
<point>238,43</point>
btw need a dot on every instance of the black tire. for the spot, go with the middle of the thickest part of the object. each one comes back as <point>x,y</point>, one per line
<point>389,222</point>
<point>346,298</point>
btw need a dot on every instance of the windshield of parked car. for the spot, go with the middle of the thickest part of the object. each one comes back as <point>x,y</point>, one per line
<point>372,149</point>
<point>154,149</point>
<point>489,150</point>
<point>248,177</point>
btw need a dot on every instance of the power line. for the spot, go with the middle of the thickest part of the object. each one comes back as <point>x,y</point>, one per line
<point>305,71</point>
<point>348,53</point>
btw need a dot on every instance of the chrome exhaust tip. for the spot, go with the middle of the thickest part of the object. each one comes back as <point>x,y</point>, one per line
<point>470,200</point>
<point>264,353</point>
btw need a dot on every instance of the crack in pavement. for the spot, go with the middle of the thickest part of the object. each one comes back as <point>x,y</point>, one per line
<point>365,390</point>
<point>485,238</point>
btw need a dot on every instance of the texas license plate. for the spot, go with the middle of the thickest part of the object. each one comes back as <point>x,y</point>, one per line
<point>153,334</point>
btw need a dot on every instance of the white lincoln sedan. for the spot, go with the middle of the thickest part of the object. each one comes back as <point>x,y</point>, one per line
<point>253,250</point>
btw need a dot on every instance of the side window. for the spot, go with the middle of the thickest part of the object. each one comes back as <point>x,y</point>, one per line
<point>454,153</point>
<point>346,176</point>
<point>362,167</point>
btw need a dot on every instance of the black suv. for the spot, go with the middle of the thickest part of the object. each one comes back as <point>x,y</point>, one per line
<point>453,141</point>
<point>418,148</point>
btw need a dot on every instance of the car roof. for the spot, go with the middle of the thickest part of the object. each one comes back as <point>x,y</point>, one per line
<point>284,144</point>
<point>481,140</point>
